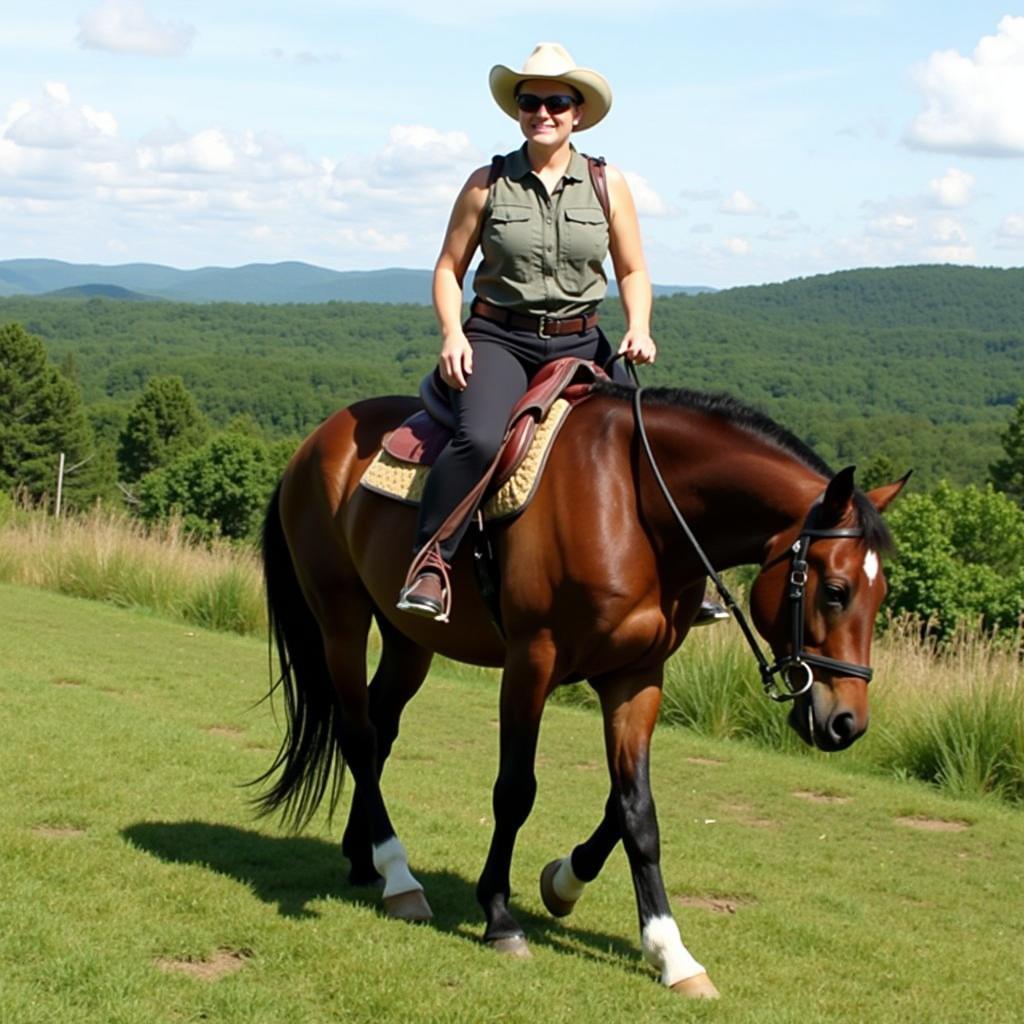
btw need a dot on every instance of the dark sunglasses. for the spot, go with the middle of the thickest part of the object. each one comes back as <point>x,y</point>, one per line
<point>558,104</point>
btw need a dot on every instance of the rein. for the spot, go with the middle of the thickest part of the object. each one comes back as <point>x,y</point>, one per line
<point>798,659</point>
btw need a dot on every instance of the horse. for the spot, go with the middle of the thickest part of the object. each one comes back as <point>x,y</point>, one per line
<point>598,583</point>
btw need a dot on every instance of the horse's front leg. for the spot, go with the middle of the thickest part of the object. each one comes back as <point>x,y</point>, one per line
<point>563,881</point>
<point>525,686</point>
<point>630,706</point>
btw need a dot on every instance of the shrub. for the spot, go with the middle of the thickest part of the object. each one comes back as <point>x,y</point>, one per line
<point>961,558</point>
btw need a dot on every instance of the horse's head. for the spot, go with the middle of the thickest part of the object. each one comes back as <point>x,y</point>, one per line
<point>815,602</point>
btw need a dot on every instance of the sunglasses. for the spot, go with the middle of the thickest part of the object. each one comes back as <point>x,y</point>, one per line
<point>558,104</point>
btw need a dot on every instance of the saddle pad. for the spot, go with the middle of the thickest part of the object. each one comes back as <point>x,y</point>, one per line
<point>404,481</point>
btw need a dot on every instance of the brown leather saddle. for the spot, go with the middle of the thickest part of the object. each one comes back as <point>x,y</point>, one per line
<point>423,436</point>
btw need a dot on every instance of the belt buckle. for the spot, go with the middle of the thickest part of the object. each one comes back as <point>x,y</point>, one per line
<point>542,327</point>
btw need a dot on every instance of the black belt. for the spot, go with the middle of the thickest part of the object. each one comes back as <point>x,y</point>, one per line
<point>543,326</point>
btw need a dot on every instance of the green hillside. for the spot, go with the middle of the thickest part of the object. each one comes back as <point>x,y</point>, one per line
<point>920,365</point>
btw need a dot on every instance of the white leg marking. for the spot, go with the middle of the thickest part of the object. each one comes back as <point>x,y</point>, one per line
<point>664,949</point>
<point>871,567</point>
<point>566,885</point>
<point>391,861</point>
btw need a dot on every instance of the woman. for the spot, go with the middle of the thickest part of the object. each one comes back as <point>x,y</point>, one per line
<point>544,235</point>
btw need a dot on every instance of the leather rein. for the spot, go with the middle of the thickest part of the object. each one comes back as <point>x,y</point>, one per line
<point>799,659</point>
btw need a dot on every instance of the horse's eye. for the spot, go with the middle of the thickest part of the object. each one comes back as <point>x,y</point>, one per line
<point>835,596</point>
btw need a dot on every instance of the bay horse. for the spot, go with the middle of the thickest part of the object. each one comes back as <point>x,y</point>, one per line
<point>599,583</point>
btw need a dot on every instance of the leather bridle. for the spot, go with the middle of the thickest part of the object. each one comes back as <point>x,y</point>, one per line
<point>799,659</point>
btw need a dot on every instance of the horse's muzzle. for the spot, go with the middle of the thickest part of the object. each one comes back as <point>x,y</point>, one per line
<point>824,720</point>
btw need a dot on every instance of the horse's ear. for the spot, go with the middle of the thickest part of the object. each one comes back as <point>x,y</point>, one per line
<point>881,497</point>
<point>838,496</point>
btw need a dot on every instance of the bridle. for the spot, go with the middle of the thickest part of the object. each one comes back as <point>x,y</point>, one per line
<point>799,659</point>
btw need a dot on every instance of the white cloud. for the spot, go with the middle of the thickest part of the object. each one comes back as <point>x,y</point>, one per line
<point>892,225</point>
<point>125,26</point>
<point>737,246</point>
<point>953,189</point>
<point>206,152</point>
<point>1012,226</point>
<point>739,203</point>
<point>948,231</point>
<point>648,202</point>
<point>54,122</point>
<point>973,104</point>
<point>419,151</point>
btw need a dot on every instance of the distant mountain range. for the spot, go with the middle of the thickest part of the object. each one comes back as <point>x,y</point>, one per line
<point>256,282</point>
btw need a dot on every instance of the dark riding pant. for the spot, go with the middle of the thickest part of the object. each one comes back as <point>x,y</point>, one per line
<point>504,362</point>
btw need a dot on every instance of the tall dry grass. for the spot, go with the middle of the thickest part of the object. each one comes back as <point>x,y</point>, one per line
<point>108,556</point>
<point>950,714</point>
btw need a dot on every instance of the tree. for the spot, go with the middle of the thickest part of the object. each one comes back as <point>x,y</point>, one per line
<point>163,423</point>
<point>1007,473</point>
<point>961,557</point>
<point>219,489</point>
<point>41,415</point>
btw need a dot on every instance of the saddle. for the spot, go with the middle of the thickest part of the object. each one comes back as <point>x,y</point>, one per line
<point>423,436</point>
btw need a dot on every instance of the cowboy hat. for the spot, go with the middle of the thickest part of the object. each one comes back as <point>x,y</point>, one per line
<point>551,60</point>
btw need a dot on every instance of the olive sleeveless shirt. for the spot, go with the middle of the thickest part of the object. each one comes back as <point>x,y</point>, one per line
<point>543,255</point>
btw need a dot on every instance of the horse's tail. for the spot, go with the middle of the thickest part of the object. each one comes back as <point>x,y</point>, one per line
<point>309,765</point>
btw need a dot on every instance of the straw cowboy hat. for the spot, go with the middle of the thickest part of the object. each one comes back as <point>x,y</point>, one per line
<point>551,60</point>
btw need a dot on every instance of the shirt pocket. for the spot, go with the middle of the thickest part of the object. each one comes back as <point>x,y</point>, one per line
<point>582,247</point>
<point>507,241</point>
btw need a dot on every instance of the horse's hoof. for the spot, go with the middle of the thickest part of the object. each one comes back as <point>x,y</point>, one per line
<point>408,906</point>
<point>555,904</point>
<point>697,987</point>
<point>515,946</point>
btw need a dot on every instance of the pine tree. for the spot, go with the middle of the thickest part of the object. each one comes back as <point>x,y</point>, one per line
<point>163,423</point>
<point>41,415</point>
<point>1007,473</point>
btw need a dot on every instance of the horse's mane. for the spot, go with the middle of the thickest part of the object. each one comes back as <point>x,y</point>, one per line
<point>725,406</point>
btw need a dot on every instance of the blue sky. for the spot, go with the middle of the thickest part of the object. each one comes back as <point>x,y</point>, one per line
<point>764,140</point>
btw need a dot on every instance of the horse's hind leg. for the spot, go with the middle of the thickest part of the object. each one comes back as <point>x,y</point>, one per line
<point>344,614</point>
<point>402,668</point>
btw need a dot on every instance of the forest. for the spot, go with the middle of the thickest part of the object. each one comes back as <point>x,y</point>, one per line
<point>916,366</point>
<point>189,411</point>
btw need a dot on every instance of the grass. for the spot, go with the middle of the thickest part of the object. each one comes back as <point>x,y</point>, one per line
<point>127,844</point>
<point>951,715</point>
<point>111,557</point>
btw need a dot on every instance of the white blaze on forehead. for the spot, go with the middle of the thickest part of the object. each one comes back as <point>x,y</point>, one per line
<point>871,566</point>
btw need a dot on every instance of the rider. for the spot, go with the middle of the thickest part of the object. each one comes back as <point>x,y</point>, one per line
<point>544,236</point>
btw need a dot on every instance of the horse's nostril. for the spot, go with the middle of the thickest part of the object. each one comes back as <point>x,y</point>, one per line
<point>844,727</point>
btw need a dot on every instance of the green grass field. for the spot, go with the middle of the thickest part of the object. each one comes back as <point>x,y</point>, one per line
<point>132,868</point>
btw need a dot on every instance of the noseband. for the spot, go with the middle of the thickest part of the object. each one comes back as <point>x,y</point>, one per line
<point>799,659</point>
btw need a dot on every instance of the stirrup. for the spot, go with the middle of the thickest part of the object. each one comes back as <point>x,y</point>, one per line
<point>427,563</point>
<point>709,613</point>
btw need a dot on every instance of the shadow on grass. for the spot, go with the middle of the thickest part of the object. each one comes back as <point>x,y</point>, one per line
<point>293,871</point>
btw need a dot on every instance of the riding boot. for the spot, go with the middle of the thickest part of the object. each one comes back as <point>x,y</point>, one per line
<point>428,593</point>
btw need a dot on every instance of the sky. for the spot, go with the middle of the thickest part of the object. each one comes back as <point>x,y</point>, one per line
<point>763,139</point>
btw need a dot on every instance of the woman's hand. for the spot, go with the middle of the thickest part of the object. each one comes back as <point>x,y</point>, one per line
<point>456,360</point>
<point>638,347</point>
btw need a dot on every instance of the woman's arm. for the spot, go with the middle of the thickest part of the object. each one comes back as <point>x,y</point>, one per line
<point>460,241</point>
<point>630,271</point>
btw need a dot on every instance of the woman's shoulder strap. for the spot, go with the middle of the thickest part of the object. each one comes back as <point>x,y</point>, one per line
<point>497,166</point>
<point>599,179</point>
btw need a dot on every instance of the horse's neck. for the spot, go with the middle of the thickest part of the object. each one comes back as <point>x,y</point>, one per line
<point>736,489</point>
